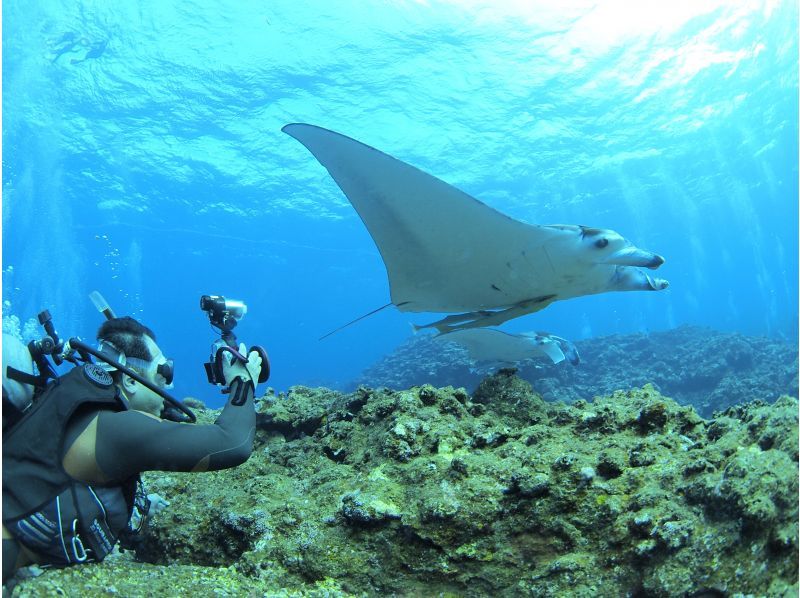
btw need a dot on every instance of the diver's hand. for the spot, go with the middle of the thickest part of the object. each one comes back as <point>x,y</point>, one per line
<point>249,371</point>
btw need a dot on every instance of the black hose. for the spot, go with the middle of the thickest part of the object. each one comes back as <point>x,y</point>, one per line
<point>83,347</point>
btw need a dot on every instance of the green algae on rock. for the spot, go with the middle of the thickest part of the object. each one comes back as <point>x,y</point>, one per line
<point>429,492</point>
<point>124,577</point>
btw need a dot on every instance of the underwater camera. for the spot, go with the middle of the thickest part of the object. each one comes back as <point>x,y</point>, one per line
<point>224,314</point>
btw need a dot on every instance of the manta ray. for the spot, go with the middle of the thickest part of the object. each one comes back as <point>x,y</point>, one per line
<point>496,346</point>
<point>447,252</point>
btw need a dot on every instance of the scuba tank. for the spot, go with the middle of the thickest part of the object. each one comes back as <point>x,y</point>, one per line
<point>17,390</point>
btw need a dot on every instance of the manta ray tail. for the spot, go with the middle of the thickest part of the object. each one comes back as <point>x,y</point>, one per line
<point>358,319</point>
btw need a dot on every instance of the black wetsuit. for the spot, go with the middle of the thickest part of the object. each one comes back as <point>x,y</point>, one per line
<point>127,443</point>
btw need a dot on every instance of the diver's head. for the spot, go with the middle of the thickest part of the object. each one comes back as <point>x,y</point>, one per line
<point>137,346</point>
<point>16,355</point>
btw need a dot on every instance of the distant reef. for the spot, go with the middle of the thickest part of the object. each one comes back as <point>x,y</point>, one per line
<point>437,492</point>
<point>696,366</point>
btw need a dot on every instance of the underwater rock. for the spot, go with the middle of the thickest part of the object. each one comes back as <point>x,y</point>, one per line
<point>302,414</point>
<point>426,491</point>
<point>696,366</point>
<point>364,510</point>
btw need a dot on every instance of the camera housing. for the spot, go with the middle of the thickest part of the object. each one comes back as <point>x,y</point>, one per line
<point>223,313</point>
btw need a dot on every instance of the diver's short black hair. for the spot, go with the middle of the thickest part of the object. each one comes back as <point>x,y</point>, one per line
<point>127,335</point>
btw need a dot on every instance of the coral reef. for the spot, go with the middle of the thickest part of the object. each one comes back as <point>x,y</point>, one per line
<point>433,492</point>
<point>696,366</point>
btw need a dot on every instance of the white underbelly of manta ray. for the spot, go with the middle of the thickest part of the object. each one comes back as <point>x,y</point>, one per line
<point>445,251</point>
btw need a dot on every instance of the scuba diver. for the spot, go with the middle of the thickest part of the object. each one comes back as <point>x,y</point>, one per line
<point>72,459</point>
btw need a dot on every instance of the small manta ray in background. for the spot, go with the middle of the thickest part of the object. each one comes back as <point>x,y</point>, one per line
<point>445,251</point>
<point>498,347</point>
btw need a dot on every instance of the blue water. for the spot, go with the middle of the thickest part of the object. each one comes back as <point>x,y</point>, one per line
<point>142,157</point>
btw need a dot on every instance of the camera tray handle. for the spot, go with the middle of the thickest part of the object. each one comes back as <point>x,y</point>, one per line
<point>214,368</point>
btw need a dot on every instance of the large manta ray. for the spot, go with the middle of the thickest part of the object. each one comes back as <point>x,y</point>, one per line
<point>445,251</point>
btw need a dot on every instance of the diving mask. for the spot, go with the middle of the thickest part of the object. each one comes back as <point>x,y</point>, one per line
<point>163,372</point>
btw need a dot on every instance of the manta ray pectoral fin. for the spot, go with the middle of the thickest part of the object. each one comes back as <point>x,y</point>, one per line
<point>480,319</point>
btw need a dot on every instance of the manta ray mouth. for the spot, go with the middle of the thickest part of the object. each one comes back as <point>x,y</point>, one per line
<point>633,256</point>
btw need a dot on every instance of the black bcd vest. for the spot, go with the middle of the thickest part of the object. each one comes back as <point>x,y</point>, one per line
<point>33,449</point>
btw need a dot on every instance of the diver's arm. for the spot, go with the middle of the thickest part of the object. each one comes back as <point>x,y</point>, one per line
<point>129,442</point>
